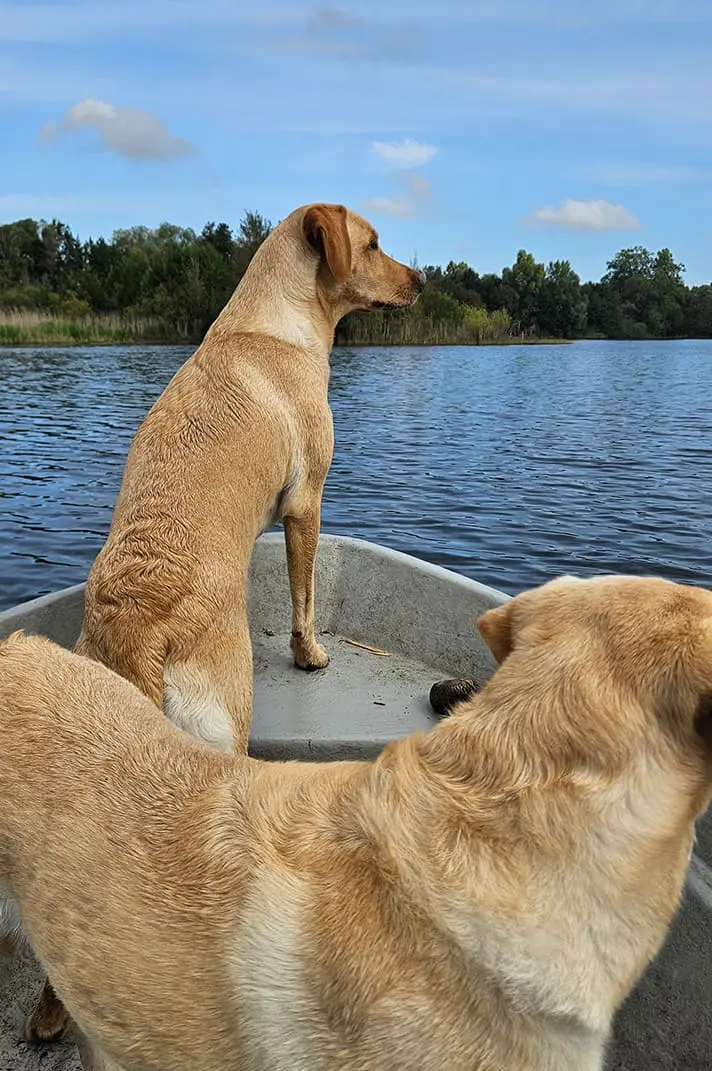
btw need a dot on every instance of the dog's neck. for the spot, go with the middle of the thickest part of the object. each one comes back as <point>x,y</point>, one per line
<point>280,295</point>
<point>562,890</point>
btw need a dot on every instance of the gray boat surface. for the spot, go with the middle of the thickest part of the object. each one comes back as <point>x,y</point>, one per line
<point>423,616</point>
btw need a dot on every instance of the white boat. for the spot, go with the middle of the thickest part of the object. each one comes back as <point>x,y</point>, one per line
<point>393,626</point>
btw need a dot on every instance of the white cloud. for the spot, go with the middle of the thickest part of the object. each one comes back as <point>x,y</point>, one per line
<point>130,132</point>
<point>587,216</point>
<point>413,199</point>
<point>404,154</point>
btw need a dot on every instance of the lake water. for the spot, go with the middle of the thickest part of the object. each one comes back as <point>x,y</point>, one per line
<point>509,464</point>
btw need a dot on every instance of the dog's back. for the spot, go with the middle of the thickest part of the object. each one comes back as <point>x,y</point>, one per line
<point>227,915</point>
<point>209,468</point>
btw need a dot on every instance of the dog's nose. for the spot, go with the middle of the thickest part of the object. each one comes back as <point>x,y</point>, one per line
<point>421,277</point>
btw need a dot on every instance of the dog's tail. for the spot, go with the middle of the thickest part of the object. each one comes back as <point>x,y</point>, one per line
<point>17,641</point>
<point>12,637</point>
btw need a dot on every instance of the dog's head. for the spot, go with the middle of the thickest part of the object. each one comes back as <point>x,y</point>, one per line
<point>625,661</point>
<point>352,269</point>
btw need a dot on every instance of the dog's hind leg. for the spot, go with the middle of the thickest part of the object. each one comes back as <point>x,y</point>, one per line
<point>301,535</point>
<point>208,693</point>
<point>49,1020</point>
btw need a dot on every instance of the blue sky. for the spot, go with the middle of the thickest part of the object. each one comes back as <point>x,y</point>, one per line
<point>464,130</point>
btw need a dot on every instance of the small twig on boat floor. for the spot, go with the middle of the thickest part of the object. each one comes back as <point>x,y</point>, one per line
<point>366,647</point>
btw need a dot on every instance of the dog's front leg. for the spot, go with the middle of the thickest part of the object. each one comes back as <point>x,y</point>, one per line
<point>302,537</point>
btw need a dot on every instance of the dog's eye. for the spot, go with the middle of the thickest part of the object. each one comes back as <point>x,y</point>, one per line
<point>373,244</point>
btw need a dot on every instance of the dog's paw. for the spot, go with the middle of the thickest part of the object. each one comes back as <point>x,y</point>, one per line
<point>48,1022</point>
<point>309,656</point>
<point>444,695</point>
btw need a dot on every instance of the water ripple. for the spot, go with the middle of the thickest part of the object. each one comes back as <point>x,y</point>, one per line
<point>510,465</point>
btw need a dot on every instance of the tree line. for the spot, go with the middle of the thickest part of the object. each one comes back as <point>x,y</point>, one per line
<point>169,283</point>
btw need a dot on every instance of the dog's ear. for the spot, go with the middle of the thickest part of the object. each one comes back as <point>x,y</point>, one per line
<point>325,230</point>
<point>496,630</point>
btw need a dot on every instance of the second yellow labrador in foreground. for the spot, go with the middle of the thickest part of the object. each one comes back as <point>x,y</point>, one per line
<point>480,898</point>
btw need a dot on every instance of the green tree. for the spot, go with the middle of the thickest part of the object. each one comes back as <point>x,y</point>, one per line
<point>180,280</point>
<point>219,237</point>
<point>670,295</point>
<point>251,233</point>
<point>605,311</point>
<point>698,311</point>
<point>477,319</point>
<point>20,254</point>
<point>651,292</point>
<point>630,264</point>
<point>563,306</point>
<point>459,281</point>
<point>522,289</point>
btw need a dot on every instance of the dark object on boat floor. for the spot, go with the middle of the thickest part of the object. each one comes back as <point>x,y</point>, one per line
<point>445,694</point>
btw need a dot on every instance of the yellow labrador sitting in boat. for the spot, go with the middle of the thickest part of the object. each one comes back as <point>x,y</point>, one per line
<point>480,898</point>
<point>240,438</point>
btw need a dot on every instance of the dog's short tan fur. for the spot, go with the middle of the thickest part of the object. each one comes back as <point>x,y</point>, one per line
<point>241,438</point>
<point>479,898</point>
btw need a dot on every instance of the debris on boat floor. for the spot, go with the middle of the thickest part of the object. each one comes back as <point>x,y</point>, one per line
<point>367,647</point>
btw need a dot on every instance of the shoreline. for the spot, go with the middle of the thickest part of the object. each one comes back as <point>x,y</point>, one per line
<point>59,344</point>
<point>99,344</point>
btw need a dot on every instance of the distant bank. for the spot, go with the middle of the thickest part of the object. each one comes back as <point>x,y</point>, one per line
<point>34,328</point>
